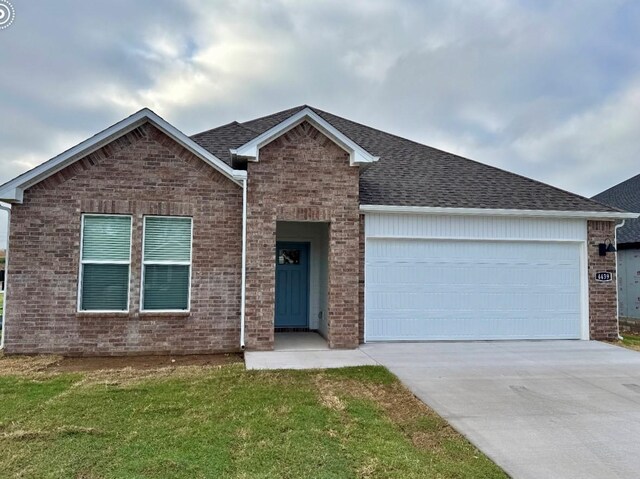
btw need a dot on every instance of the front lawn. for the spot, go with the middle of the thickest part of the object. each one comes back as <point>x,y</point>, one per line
<point>631,341</point>
<point>222,421</point>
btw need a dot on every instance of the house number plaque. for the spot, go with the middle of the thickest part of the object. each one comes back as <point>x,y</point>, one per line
<point>603,276</point>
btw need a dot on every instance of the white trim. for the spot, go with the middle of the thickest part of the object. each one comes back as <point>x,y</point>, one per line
<point>484,239</point>
<point>165,262</point>
<point>584,290</point>
<point>120,262</point>
<point>433,210</point>
<point>13,190</point>
<point>357,154</point>
<point>364,292</point>
<point>615,242</point>
<point>243,286</point>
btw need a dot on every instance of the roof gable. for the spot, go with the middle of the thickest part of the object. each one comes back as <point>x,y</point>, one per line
<point>251,149</point>
<point>13,190</point>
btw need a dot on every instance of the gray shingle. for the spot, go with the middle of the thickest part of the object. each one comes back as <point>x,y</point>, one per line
<point>626,196</point>
<point>412,174</point>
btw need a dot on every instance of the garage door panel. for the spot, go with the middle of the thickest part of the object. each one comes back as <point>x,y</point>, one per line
<point>490,303</point>
<point>426,277</point>
<point>469,329</point>
<point>425,289</point>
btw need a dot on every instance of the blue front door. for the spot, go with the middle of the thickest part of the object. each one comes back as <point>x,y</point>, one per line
<point>292,285</point>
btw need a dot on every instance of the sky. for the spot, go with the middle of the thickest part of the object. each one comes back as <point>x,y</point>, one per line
<point>547,89</point>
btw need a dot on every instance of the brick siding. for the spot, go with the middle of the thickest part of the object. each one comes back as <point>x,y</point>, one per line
<point>603,321</point>
<point>303,176</point>
<point>142,173</point>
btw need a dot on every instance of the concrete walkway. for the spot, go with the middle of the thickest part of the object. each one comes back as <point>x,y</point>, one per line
<point>304,351</point>
<point>539,409</point>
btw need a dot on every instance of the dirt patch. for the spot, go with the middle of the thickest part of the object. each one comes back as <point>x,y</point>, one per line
<point>21,365</point>
<point>141,362</point>
<point>327,394</point>
<point>25,365</point>
<point>416,420</point>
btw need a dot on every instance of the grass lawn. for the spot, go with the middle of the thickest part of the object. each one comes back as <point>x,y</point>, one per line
<point>1,303</point>
<point>630,341</point>
<point>222,421</point>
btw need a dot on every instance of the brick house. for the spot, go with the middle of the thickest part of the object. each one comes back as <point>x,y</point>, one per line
<point>142,240</point>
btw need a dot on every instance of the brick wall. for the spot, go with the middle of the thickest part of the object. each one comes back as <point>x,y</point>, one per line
<point>144,172</point>
<point>303,176</point>
<point>603,322</point>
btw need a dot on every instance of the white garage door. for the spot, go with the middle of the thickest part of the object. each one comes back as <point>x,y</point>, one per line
<point>466,290</point>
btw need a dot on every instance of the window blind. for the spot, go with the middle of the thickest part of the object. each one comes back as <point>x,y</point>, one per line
<point>105,263</point>
<point>166,263</point>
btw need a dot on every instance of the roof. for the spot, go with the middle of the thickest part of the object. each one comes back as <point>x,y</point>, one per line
<point>12,191</point>
<point>409,174</point>
<point>626,196</point>
<point>397,173</point>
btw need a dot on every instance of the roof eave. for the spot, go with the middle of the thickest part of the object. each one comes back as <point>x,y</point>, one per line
<point>595,215</point>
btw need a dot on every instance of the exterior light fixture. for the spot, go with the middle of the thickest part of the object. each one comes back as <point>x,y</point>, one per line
<point>606,247</point>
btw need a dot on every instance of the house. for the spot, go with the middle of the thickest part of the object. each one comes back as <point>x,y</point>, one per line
<point>626,195</point>
<point>143,240</point>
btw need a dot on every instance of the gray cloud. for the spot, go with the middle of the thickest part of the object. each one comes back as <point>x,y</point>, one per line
<point>548,89</point>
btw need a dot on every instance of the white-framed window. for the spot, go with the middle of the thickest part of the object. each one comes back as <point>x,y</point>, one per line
<point>105,263</point>
<point>166,263</point>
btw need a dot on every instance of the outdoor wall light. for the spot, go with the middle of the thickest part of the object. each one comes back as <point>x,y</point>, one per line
<point>606,247</point>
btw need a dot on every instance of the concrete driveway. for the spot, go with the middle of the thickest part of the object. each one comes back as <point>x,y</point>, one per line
<point>539,409</point>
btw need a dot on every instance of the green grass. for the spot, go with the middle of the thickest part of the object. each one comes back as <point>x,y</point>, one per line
<point>1,303</point>
<point>631,341</point>
<point>195,422</point>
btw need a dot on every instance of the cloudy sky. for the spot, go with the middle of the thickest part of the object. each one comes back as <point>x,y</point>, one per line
<point>548,89</point>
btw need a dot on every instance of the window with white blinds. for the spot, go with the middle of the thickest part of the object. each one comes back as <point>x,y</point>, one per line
<point>105,263</point>
<point>166,263</point>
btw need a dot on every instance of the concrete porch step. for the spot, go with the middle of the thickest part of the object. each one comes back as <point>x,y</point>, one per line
<point>307,359</point>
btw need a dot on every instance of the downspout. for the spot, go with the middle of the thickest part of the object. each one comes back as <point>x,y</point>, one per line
<point>615,240</point>
<point>243,287</point>
<point>6,275</point>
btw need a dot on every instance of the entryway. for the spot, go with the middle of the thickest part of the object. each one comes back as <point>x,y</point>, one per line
<point>301,275</point>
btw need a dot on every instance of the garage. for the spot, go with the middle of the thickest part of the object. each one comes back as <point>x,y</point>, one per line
<point>481,278</point>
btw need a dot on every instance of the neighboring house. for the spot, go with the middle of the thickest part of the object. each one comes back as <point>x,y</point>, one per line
<point>143,240</point>
<point>626,195</point>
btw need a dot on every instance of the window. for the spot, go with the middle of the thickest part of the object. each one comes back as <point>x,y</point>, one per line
<point>289,256</point>
<point>166,263</point>
<point>105,263</point>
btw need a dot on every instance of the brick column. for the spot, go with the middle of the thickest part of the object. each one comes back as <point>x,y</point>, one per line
<point>260,286</point>
<point>344,270</point>
<point>603,320</point>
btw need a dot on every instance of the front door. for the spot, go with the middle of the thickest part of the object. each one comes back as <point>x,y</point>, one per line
<point>292,285</point>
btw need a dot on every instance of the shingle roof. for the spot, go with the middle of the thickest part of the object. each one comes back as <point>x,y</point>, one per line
<point>412,174</point>
<point>626,196</point>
